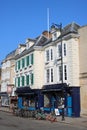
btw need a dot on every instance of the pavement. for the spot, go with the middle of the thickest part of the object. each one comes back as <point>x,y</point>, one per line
<point>80,121</point>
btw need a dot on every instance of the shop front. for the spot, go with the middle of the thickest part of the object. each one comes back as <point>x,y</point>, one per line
<point>58,95</point>
<point>51,98</point>
<point>54,96</point>
<point>4,99</point>
<point>32,98</point>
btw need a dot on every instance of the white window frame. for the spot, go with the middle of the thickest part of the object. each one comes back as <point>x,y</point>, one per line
<point>64,49</point>
<point>65,72</point>
<point>49,55</point>
<point>49,78</point>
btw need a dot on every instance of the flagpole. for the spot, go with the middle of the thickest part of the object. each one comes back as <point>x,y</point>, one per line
<point>48,21</point>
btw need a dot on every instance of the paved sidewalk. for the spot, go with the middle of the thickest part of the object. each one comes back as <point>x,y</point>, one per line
<point>81,121</point>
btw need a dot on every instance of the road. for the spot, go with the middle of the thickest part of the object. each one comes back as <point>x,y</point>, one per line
<point>11,122</point>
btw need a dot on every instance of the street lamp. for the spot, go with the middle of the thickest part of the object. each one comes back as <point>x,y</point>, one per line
<point>59,26</point>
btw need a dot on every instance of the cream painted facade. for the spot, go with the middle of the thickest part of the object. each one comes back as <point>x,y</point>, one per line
<point>37,68</point>
<point>71,60</point>
<point>8,72</point>
<point>46,72</point>
<point>7,78</point>
<point>83,68</point>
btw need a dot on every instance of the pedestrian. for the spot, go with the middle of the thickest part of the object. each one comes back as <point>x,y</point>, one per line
<point>63,117</point>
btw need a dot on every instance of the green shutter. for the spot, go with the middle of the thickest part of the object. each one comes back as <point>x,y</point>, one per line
<point>18,64</point>
<point>18,81</point>
<point>32,59</point>
<point>22,80</point>
<point>27,79</point>
<point>23,62</point>
<point>27,60</point>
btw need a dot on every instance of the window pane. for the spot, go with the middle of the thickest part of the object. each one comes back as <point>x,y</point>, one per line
<point>51,75</point>
<point>48,76</point>
<point>51,54</point>
<point>60,73</point>
<point>32,59</point>
<point>32,78</point>
<point>59,50</point>
<point>47,55</point>
<point>64,49</point>
<point>65,72</point>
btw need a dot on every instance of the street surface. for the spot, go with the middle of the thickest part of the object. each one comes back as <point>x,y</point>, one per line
<point>11,122</point>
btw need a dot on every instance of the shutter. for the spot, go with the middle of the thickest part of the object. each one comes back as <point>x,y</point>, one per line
<point>27,60</point>
<point>18,81</point>
<point>23,63</point>
<point>27,79</point>
<point>18,64</point>
<point>22,80</point>
<point>32,59</point>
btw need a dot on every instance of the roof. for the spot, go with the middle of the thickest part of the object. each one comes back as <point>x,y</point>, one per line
<point>39,41</point>
<point>70,28</point>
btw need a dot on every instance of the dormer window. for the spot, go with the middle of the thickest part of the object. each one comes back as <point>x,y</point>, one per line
<point>54,36</point>
<point>27,45</point>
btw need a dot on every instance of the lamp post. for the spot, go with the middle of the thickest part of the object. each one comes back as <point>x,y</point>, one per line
<point>59,26</point>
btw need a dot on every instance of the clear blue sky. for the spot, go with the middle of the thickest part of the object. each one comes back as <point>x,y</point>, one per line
<point>22,19</point>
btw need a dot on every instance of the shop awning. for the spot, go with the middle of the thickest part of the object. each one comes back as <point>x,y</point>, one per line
<point>54,87</point>
<point>25,91</point>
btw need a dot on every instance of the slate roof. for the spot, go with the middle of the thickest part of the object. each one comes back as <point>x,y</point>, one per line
<point>70,28</point>
<point>43,40</point>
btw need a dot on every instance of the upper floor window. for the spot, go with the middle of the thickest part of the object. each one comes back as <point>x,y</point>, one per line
<point>64,49</point>
<point>54,36</point>
<point>65,72</point>
<point>30,59</point>
<point>49,75</point>
<point>51,54</point>
<point>60,73</point>
<point>59,50</point>
<point>47,55</point>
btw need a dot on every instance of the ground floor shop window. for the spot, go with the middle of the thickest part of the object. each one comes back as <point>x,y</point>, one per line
<point>46,101</point>
<point>29,102</point>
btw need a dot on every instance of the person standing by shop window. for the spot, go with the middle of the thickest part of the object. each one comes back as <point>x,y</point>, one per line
<point>63,116</point>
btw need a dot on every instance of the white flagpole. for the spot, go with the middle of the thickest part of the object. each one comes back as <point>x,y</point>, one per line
<point>48,21</point>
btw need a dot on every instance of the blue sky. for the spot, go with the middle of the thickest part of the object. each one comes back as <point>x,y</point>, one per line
<point>22,19</point>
